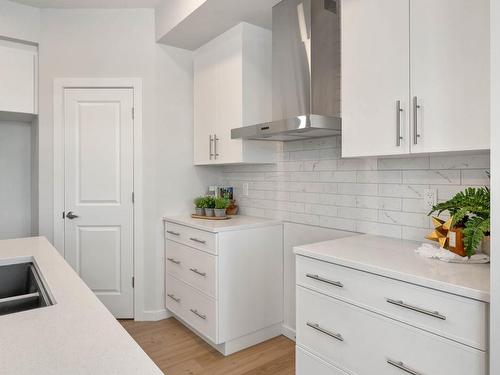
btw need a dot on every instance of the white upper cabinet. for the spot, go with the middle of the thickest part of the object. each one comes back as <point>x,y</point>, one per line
<point>232,88</point>
<point>18,74</point>
<point>415,76</point>
<point>375,77</point>
<point>450,75</point>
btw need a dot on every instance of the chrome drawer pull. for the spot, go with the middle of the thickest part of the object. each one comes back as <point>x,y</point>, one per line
<point>401,366</point>
<point>174,298</point>
<point>331,282</point>
<point>202,316</point>
<point>434,314</point>
<point>315,326</point>
<point>174,261</point>
<point>173,233</point>
<point>197,240</point>
<point>198,272</point>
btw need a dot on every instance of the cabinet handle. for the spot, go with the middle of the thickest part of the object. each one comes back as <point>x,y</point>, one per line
<point>210,139</point>
<point>434,314</point>
<point>174,261</point>
<point>202,316</point>
<point>198,272</point>
<point>416,107</point>
<point>323,280</point>
<point>173,233</point>
<point>216,140</point>
<point>174,298</point>
<point>315,326</point>
<point>197,240</point>
<point>402,366</point>
<point>398,123</point>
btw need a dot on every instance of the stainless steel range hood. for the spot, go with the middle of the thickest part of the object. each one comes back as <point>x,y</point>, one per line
<point>306,73</point>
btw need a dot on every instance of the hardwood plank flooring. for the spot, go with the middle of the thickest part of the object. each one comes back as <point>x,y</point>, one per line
<point>176,350</point>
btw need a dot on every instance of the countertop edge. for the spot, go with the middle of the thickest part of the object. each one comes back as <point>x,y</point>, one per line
<point>412,279</point>
<point>180,221</point>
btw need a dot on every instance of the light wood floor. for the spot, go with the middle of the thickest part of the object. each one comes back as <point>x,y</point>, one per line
<point>176,350</point>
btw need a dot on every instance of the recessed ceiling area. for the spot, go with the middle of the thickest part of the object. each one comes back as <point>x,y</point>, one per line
<point>81,4</point>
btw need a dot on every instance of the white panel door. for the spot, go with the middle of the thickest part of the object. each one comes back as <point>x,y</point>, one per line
<point>450,75</point>
<point>18,64</point>
<point>99,174</point>
<point>375,76</point>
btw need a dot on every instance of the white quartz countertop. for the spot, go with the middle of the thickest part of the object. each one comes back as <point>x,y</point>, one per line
<point>237,222</point>
<point>397,259</point>
<point>77,335</point>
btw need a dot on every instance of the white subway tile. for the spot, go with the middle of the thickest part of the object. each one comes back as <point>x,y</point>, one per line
<point>402,191</point>
<point>382,203</point>
<point>329,153</point>
<point>321,209</point>
<point>416,234</point>
<point>319,143</point>
<point>403,163</point>
<point>321,165</point>
<point>368,164</point>
<point>358,189</point>
<point>304,155</point>
<point>304,218</point>
<point>338,176</point>
<point>293,146</point>
<point>415,205</point>
<point>461,161</point>
<point>404,218</point>
<point>337,223</point>
<point>381,177</point>
<point>436,177</point>
<point>475,177</point>
<point>338,200</point>
<point>358,213</point>
<point>379,229</point>
<point>304,197</point>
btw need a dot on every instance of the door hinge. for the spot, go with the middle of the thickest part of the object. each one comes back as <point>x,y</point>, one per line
<point>64,215</point>
<point>133,282</point>
<point>133,113</point>
<point>133,197</point>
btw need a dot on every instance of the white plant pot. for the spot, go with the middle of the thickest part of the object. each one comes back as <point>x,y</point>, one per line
<point>209,212</point>
<point>485,246</point>
<point>220,212</point>
<point>199,211</point>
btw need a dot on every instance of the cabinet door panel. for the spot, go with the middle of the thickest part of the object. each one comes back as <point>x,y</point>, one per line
<point>205,83</point>
<point>375,75</point>
<point>17,79</point>
<point>450,74</point>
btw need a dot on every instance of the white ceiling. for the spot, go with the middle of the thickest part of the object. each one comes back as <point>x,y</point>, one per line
<point>80,4</point>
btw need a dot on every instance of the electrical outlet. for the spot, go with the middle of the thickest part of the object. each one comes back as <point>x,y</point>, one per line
<point>244,189</point>
<point>430,198</point>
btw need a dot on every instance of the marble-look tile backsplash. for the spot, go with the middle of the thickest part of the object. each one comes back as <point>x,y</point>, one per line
<point>312,184</point>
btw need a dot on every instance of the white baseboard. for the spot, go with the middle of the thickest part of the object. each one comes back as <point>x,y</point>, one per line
<point>153,315</point>
<point>288,332</point>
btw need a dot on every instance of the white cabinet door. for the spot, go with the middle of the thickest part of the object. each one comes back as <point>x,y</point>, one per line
<point>229,93</point>
<point>450,75</point>
<point>375,76</point>
<point>205,85</point>
<point>18,66</point>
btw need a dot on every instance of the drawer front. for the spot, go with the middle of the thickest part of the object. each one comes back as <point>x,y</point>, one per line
<point>458,318</point>
<point>196,238</point>
<point>195,267</point>
<point>195,308</point>
<point>309,364</point>
<point>364,342</point>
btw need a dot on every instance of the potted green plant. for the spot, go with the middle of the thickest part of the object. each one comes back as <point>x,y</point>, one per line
<point>470,213</point>
<point>221,203</point>
<point>200,204</point>
<point>209,205</point>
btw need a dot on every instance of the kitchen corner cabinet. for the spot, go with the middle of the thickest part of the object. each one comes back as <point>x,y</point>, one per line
<point>232,88</point>
<point>18,77</point>
<point>225,280</point>
<point>415,76</point>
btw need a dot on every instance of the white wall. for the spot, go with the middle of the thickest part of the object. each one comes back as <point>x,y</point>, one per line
<point>169,13</point>
<point>121,43</point>
<point>15,179</point>
<point>495,187</point>
<point>19,21</point>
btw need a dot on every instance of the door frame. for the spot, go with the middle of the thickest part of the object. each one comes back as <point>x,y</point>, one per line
<point>60,84</point>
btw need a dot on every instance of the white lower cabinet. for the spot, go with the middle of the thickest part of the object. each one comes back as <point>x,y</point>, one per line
<point>228,287</point>
<point>346,321</point>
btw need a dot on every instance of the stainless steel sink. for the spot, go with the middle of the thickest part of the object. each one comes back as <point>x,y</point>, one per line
<point>22,288</point>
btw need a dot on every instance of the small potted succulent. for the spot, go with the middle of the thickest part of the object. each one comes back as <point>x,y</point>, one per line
<point>221,203</point>
<point>209,205</point>
<point>200,204</point>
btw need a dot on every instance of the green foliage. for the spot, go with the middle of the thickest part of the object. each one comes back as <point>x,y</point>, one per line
<point>469,209</point>
<point>221,202</point>
<point>209,201</point>
<point>200,202</point>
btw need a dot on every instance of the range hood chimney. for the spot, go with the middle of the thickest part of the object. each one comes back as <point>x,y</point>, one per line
<point>306,73</point>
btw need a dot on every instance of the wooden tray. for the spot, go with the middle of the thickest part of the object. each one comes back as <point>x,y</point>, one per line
<point>210,217</point>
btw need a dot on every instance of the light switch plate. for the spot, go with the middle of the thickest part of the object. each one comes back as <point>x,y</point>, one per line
<point>244,189</point>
